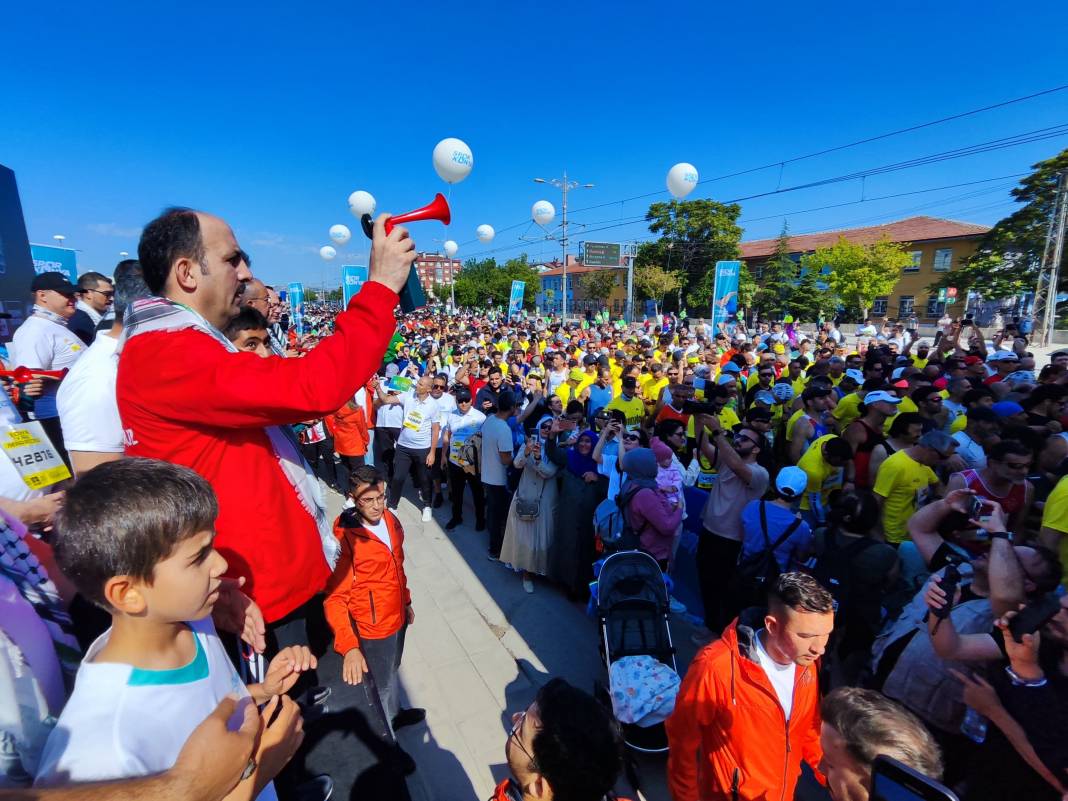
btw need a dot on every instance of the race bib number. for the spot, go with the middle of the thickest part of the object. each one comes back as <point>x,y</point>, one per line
<point>28,448</point>
<point>414,420</point>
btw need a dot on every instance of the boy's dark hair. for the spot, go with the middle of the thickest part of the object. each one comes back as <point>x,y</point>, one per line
<point>838,449</point>
<point>248,319</point>
<point>1008,447</point>
<point>129,286</point>
<point>506,401</point>
<point>122,518</point>
<point>577,749</point>
<point>800,592</point>
<point>174,234</point>
<point>903,422</point>
<point>365,474</point>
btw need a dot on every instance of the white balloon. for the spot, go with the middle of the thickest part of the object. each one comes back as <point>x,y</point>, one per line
<point>543,212</point>
<point>327,253</point>
<point>485,233</point>
<point>361,203</point>
<point>450,248</point>
<point>340,234</point>
<point>681,180</point>
<point>452,160</point>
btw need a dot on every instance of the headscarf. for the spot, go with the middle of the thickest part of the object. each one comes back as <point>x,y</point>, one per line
<point>640,466</point>
<point>579,464</point>
<point>537,429</point>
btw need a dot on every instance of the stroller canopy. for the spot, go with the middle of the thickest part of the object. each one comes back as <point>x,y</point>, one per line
<point>630,578</point>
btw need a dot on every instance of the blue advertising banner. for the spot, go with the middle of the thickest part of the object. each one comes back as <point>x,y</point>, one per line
<point>725,292</point>
<point>353,277</point>
<point>296,307</point>
<point>48,258</point>
<point>16,263</point>
<point>515,298</point>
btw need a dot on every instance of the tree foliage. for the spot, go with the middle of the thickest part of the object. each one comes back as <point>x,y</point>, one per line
<point>778,281</point>
<point>598,284</point>
<point>1009,256</point>
<point>859,273</point>
<point>483,279</point>
<point>655,283</point>
<point>694,235</point>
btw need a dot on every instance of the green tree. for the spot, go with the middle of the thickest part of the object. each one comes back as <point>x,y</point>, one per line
<point>859,273</point>
<point>778,282</point>
<point>694,235</point>
<point>598,284</point>
<point>310,295</point>
<point>335,295</point>
<point>806,301</point>
<point>747,288</point>
<point>1008,257</point>
<point>655,283</point>
<point>483,279</point>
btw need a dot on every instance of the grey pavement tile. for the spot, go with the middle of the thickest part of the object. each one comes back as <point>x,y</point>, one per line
<point>466,695</point>
<point>473,633</point>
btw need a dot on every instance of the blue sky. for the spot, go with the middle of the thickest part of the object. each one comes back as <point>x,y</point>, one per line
<point>270,114</point>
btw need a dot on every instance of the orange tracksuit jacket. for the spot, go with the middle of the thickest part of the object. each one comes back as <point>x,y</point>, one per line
<point>728,735</point>
<point>367,593</point>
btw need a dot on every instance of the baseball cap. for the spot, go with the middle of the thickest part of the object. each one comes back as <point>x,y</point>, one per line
<point>629,382</point>
<point>764,397</point>
<point>1006,408</point>
<point>856,375</point>
<point>730,367</point>
<point>902,384</point>
<point>897,373</point>
<point>970,360</point>
<point>588,360</point>
<point>939,441</point>
<point>791,482</point>
<point>836,360</point>
<point>1020,377</point>
<point>57,282</point>
<point>726,379</point>
<point>576,374</point>
<point>783,391</point>
<point>813,392</point>
<point>881,396</point>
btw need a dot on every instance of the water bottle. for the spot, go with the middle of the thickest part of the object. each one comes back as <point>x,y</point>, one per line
<point>973,726</point>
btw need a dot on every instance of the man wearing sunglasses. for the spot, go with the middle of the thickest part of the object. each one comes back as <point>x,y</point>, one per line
<point>95,294</point>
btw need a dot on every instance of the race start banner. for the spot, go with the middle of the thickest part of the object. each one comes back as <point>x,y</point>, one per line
<point>725,292</point>
<point>296,307</point>
<point>353,277</point>
<point>515,298</point>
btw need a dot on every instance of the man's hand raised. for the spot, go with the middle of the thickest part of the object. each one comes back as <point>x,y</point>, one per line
<point>391,256</point>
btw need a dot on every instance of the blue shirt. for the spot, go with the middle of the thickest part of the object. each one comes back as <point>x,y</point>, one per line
<point>599,398</point>
<point>778,519</point>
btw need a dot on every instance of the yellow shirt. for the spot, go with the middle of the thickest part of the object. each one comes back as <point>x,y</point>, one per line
<point>652,390</point>
<point>847,410</point>
<point>793,419</point>
<point>1055,516</point>
<point>728,419</point>
<point>634,409</point>
<point>958,424</point>
<point>799,385</point>
<point>919,363</point>
<point>823,477</point>
<point>907,405</point>
<point>906,485</point>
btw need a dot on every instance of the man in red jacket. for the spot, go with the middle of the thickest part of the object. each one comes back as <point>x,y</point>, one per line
<point>186,396</point>
<point>748,710</point>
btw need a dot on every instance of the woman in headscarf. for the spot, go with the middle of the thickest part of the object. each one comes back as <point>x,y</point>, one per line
<point>528,534</point>
<point>582,487</point>
<point>652,516</point>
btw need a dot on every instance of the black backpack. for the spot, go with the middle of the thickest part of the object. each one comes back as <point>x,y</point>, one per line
<point>759,571</point>
<point>834,567</point>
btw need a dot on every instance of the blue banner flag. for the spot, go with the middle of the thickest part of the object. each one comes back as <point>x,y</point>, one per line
<point>296,307</point>
<point>47,258</point>
<point>352,278</point>
<point>725,292</point>
<point>515,299</point>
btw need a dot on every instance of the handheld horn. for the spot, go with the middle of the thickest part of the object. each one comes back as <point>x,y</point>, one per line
<point>23,375</point>
<point>437,209</point>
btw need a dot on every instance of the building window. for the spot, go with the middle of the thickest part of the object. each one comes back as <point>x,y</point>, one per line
<point>878,307</point>
<point>440,275</point>
<point>934,308</point>
<point>759,274</point>
<point>917,258</point>
<point>905,305</point>
<point>943,260</point>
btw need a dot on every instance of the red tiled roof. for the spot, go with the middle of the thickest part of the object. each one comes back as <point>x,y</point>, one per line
<point>913,229</point>
<point>572,269</point>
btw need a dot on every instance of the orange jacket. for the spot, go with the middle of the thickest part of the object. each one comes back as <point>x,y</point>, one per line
<point>729,738</point>
<point>348,425</point>
<point>367,594</point>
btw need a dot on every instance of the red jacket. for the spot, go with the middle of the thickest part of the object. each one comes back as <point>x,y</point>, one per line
<point>368,591</point>
<point>728,732</point>
<point>185,399</point>
<point>348,425</point>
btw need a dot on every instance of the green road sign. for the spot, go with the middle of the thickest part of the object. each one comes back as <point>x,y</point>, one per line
<point>601,254</point>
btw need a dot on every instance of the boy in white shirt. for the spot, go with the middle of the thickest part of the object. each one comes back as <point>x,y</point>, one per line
<point>135,536</point>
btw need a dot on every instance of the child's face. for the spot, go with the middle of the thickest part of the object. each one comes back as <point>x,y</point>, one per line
<point>185,585</point>
<point>665,462</point>
<point>253,340</point>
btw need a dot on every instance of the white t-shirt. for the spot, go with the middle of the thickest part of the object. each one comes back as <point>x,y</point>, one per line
<point>46,345</point>
<point>461,428</point>
<point>419,416</point>
<point>88,411</point>
<point>389,415</point>
<point>380,530</point>
<point>780,676</point>
<point>122,722</point>
<point>446,405</point>
<point>496,439</point>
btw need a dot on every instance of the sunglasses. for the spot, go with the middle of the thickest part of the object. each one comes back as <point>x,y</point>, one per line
<point>630,437</point>
<point>439,386</point>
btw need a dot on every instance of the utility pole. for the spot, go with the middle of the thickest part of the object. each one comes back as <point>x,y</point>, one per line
<point>1045,306</point>
<point>565,186</point>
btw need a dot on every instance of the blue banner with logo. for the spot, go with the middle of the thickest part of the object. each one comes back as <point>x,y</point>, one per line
<point>515,298</point>
<point>353,277</point>
<point>725,292</point>
<point>296,307</point>
<point>49,258</point>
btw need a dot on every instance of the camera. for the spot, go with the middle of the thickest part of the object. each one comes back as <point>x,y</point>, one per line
<point>697,407</point>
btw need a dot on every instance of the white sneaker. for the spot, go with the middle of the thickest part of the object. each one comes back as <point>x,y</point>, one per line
<point>528,585</point>
<point>427,514</point>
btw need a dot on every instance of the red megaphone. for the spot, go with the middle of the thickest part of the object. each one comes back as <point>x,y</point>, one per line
<point>24,375</point>
<point>437,209</point>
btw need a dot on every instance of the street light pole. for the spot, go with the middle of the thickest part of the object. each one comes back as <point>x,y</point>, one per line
<point>565,186</point>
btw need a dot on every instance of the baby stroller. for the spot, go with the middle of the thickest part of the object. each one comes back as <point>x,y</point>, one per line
<point>632,605</point>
